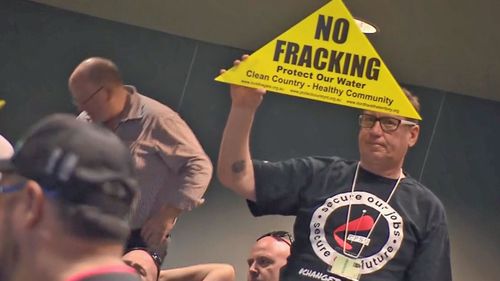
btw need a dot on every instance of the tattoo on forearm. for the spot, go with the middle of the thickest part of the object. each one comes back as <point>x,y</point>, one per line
<point>238,166</point>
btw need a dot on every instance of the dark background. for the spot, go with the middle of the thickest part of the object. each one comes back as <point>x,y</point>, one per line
<point>457,156</point>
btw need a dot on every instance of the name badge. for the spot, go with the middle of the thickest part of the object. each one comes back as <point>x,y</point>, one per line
<point>359,239</point>
<point>346,267</point>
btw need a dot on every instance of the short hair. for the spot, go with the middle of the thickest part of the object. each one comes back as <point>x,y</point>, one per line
<point>413,99</point>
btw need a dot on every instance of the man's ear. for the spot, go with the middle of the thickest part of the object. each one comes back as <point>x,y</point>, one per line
<point>30,205</point>
<point>413,137</point>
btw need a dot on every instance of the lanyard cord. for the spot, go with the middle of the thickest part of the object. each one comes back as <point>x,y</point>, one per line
<point>376,221</point>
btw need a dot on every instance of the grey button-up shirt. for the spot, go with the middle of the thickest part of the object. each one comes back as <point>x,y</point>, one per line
<point>171,166</point>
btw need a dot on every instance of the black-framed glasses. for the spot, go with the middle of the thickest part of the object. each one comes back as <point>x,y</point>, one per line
<point>12,188</point>
<point>84,102</point>
<point>388,124</point>
<point>280,235</point>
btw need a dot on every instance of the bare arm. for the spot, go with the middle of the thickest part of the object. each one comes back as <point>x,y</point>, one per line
<point>200,272</point>
<point>234,169</point>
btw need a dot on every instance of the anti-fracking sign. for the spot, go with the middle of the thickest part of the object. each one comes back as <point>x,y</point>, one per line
<point>327,58</point>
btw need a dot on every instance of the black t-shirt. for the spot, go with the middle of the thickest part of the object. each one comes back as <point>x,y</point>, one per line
<point>409,240</point>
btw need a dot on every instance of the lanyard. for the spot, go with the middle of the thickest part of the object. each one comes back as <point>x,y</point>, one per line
<point>376,221</point>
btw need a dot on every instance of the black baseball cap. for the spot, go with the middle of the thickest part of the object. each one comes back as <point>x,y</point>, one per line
<point>77,161</point>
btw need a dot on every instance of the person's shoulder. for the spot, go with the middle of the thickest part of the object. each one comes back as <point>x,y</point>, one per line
<point>316,163</point>
<point>427,209</point>
<point>420,188</point>
<point>159,114</point>
<point>424,195</point>
<point>332,162</point>
<point>154,107</point>
<point>150,106</point>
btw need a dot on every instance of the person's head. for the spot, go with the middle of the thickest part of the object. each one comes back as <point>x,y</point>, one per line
<point>268,255</point>
<point>146,263</point>
<point>384,139</point>
<point>96,87</point>
<point>67,178</point>
<point>6,149</point>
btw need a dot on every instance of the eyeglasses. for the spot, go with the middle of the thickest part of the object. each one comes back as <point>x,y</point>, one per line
<point>12,188</point>
<point>280,235</point>
<point>84,102</point>
<point>388,124</point>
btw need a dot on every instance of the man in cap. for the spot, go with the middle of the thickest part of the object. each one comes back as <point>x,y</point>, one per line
<point>65,200</point>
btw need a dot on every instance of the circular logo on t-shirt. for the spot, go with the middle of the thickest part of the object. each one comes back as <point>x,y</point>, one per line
<point>355,236</point>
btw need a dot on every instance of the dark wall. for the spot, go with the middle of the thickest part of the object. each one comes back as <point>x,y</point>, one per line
<point>457,156</point>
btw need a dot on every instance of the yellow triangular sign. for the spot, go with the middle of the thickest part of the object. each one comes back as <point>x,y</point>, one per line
<point>324,57</point>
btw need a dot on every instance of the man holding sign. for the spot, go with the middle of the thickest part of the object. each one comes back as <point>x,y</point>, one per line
<point>356,220</point>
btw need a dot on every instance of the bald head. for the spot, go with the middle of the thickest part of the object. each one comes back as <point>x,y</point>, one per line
<point>97,88</point>
<point>97,70</point>
<point>6,149</point>
<point>143,263</point>
<point>267,257</point>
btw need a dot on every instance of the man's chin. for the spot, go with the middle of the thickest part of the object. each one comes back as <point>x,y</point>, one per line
<point>375,157</point>
<point>378,152</point>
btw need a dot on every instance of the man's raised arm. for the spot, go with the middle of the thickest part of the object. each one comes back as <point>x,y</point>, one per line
<point>234,168</point>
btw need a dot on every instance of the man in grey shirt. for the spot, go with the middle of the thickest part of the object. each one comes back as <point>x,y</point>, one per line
<point>172,168</point>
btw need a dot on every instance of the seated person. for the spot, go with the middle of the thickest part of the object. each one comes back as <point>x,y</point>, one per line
<point>267,256</point>
<point>148,265</point>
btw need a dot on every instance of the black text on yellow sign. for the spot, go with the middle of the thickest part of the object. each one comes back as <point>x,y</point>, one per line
<point>327,58</point>
<point>330,60</point>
